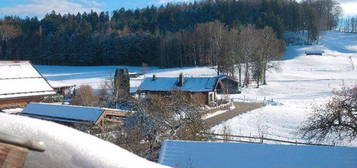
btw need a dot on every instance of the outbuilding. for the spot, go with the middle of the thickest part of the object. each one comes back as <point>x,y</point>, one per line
<point>71,115</point>
<point>314,52</point>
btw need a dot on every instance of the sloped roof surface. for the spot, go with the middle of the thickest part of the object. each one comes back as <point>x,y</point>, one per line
<point>59,84</point>
<point>191,84</point>
<point>63,113</point>
<point>21,79</point>
<point>227,155</point>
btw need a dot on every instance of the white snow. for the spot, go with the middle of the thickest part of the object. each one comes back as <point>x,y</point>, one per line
<point>20,79</point>
<point>59,84</point>
<point>17,69</point>
<point>85,75</point>
<point>67,147</point>
<point>303,81</point>
<point>12,110</point>
<point>17,87</point>
<point>209,115</point>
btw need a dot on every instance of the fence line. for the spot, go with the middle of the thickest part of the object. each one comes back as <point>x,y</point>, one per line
<point>217,108</point>
<point>227,137</point>
<point>265,100</point>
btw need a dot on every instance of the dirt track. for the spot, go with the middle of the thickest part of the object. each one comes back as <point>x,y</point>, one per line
<point>240,108</point>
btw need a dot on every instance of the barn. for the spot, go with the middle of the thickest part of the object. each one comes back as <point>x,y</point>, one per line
<point>203,89</point>
<point>20,83</point>
<point>73,115</point>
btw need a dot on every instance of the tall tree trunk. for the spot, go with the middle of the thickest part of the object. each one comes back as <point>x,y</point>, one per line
<point>246,75</point>
<point>240,75</point>
<point>264,72</point>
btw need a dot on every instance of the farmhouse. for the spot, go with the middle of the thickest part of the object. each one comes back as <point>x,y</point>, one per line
<point>203,89</point>
<point>71,115</point>
<point>227,155</point>
<point>21,83</point>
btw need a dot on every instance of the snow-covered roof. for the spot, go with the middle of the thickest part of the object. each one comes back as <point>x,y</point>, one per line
<point>21,79</point>
<point>59,84</point>
<point>190,84</point>
<point>68,148</point>
<point>227,155</point>
<point>314,51</point>
<point>63,113</point>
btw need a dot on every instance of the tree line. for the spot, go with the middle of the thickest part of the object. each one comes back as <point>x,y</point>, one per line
<point>132,37</point>
<point>348,24</point>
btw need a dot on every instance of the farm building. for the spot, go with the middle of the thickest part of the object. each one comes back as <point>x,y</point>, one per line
<point>203,89</point>
<point>227,155</point>
<point>314,52</point>
<point>71,115</point>
<point>66,90</point>
<point>21,83</point>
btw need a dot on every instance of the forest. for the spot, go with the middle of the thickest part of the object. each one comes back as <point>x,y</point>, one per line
<point>171,35</point>
<point>348,24</point>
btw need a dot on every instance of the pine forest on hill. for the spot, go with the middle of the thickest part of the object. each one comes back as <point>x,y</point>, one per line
<point>184,34</point>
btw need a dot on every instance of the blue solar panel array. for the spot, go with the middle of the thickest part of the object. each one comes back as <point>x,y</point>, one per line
<point>63,113</point>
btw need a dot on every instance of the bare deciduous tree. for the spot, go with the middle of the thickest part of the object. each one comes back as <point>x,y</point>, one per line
<point>85,97</point>
<point>247,47</point>
<point>336,120</point>
<point>8,30</point>
<point>159,118</point>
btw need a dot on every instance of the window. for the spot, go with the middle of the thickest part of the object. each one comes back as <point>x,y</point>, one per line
<point>211,98</point>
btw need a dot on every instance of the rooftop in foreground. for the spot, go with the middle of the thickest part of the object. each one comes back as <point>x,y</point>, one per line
<point>227,155</point>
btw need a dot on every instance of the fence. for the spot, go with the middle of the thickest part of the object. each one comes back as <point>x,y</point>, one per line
<point>217,108</point>
<point>256,99</point>
<point>254,139</point>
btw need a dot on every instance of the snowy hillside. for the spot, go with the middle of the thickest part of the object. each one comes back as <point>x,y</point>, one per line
<point>301,82</point>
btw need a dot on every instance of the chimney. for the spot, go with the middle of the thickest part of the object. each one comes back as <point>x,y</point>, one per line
<point>153,77</point>
<point>180,80</point>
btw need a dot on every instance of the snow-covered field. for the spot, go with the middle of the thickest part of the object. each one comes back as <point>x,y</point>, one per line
<point>301,82</point>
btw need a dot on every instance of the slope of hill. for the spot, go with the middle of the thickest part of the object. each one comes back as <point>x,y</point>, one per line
<point>302,82</point>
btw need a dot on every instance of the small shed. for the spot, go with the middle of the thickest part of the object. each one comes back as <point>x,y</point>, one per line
<point>227,155</point>
<point>64,89</point>
<point>21,83</point>
<point>314,52</point>
<point>70,115</point>
<point>203,89</point>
